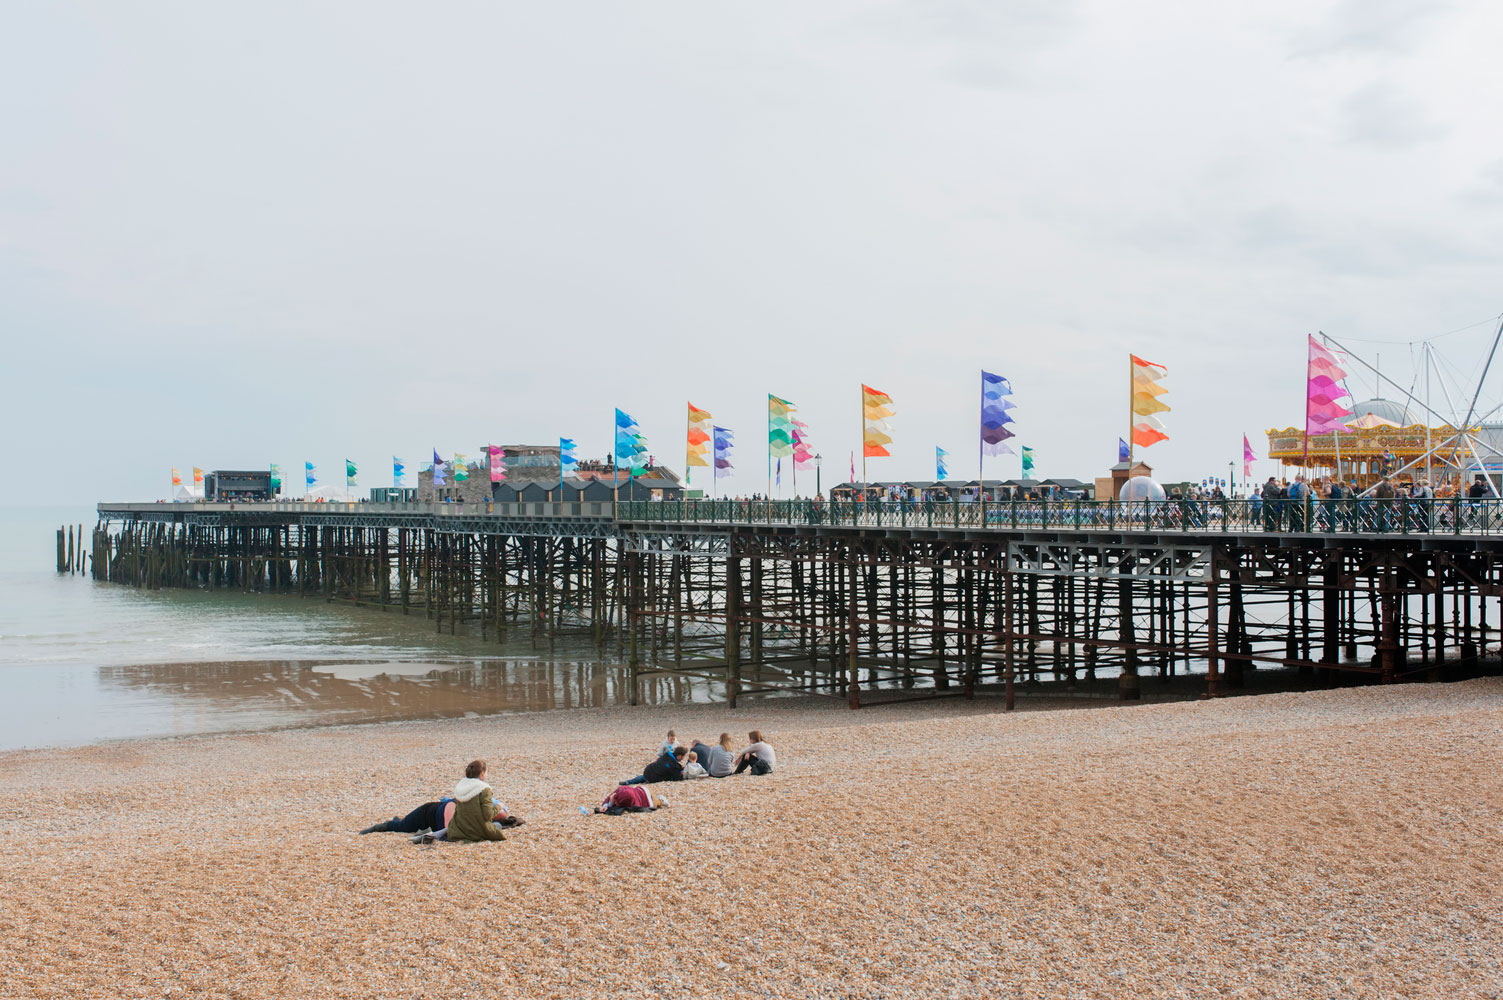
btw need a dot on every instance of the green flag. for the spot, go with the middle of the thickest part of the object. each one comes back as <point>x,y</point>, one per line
<point>1027,461</point>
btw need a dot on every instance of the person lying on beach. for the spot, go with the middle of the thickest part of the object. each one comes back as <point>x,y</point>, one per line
<point>668,767</point>
<point>477,815</point>
<point>429,816</point>
<point>719,760</point>
<point>629,798</point>
<point>760,756</point>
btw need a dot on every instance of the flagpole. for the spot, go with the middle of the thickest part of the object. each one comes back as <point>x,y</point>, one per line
<point>769,446</point>
<point>981,453</point>
<point>863,445</point>
<point>1130,441</point>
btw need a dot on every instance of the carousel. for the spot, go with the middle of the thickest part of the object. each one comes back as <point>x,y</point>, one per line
<point>1381,439</point>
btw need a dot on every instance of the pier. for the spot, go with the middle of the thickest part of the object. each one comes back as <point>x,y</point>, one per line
<point>877,601</point>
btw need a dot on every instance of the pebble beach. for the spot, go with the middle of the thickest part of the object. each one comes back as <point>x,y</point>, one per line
<point>1342,843</point>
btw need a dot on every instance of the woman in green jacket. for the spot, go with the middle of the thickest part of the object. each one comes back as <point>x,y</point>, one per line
<point>477,815</point>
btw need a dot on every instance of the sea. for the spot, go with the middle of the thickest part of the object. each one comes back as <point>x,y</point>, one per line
<point>84,662</point>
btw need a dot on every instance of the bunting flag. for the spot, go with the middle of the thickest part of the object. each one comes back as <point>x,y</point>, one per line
<point>438,470</point>
<point>461,468</point>
<point>697,453</point>
<point>941,470</point>
<point>566,457</point>
<point>496,459</point>
<point>398,471</point>
<point>1247,457</point>
<point>1027,461</point>
<point>876,434</point>
<point>803,453</point>
<point>1146,428</point>
<point>177,478</point>
<point>631,446</point>
<point>994,416</point>
<point>725,443</point>
<point>1324,413</point>
<point>310,474</point>
<point>276,478</point>
<point>1124,453</point>
<point>350,472</point>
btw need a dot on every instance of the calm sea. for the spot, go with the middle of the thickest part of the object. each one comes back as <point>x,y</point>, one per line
<point>82,661</point>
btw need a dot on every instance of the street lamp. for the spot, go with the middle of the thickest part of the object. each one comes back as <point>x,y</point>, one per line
<point>1231,481</point>
<point>818,461</point>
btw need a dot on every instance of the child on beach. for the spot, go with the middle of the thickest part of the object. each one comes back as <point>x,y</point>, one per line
<point>669,744</point>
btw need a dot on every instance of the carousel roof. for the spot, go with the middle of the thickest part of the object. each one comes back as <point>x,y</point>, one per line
<point>1396,414</point>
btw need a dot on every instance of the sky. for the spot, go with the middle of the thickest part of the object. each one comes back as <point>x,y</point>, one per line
<point>241,233</point>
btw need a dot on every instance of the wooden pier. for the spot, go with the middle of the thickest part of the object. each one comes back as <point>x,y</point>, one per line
<point>878,599</point>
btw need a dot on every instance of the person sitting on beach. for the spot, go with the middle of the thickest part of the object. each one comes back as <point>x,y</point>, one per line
<point>477,815</point>
<point>718,760</point>
<point>759,756</point>
<point>629,798</point>
<point>669,744</point>
<point>668,767</point>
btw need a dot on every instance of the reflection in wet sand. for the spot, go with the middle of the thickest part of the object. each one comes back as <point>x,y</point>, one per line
<point>272,693</point>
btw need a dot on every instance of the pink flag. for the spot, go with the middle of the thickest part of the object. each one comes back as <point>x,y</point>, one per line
<point>498,464</point>
<point>853,466</point>
<point>1324,413</point>
<point>1247,457</point>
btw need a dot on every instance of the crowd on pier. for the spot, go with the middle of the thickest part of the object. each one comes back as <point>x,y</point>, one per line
<point>472,813</point>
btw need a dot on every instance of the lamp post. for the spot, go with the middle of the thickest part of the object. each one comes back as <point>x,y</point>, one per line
<point>1231,480</point>
<point>818,462</point>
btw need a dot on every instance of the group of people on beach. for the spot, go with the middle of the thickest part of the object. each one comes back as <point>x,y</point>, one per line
<point>472,813</point>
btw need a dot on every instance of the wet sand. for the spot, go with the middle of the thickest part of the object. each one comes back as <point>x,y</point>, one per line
<point>1331,844</point>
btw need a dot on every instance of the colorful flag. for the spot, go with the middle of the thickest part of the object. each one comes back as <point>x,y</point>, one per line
<point>276,478</point>
<point>1247,457</point>
<point>701,426</point>
<point>496,459</point>
<point>779,427</point>
<point>310,474</point>
<point>566,458</point>
<point>177,478</point>
<point>1027,461</point>
<point>631,446</point>
<point>350,472</point>
<point>398,470</point>
<point>1124,452</point>
<point>461,468</point>
<point>803,452</point>
<point>876,433</point>
<point>779,480</point>
<point>438,470</point>
<point>198,478</point>
<point>725,444</point>
<point>853,466</point>
<point>941,470</point>
<point>1146,428</point>
<point>994,416</point>
<point>1324,413</point>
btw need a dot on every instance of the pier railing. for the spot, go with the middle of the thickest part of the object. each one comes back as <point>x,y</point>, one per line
<point>1459,516</point>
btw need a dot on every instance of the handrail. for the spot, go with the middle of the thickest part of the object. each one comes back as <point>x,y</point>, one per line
<point>1367,515</point>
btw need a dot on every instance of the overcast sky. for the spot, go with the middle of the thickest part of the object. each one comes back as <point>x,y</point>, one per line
<point>232,234</point>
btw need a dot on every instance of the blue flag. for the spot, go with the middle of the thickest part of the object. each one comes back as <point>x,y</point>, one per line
<point>438,470</point>
<point>397,470</point>
<point>1124,453</point>
<point>941,469</point>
